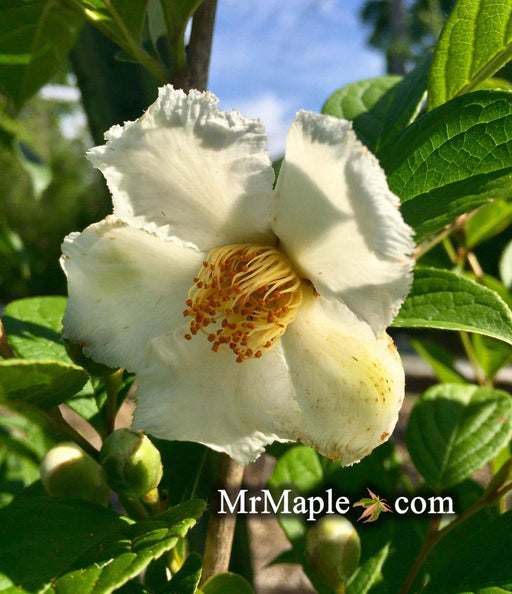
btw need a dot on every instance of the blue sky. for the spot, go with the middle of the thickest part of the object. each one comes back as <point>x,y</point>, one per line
<point>271,58</point>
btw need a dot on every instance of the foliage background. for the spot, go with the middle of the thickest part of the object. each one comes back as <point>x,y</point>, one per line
<point>444,158</point>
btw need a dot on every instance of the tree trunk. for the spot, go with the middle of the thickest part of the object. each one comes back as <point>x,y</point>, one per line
<point>396,56</point>
<point>112,91</point>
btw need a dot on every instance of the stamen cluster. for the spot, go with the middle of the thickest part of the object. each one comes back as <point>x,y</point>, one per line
<point>250,292</point>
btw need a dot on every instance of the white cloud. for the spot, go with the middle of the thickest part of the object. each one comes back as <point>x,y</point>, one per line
<point>299,51</point>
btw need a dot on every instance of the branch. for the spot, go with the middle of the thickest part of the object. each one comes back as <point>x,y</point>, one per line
<point>221,528</point>
<point>200,45</point>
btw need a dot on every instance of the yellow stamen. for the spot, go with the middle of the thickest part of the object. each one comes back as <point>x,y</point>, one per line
<point>251,291</point>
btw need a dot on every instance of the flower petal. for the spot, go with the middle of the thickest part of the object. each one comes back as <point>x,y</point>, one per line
<point>187,170</point>
<point>338,221</point>
<point>126,286</point>
<point>190,393</point>
<point>348,384</point>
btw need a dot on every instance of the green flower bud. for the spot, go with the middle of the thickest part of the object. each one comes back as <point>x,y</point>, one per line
<point>132,464</point>
<point>333,550</point>
<point>67,471</point>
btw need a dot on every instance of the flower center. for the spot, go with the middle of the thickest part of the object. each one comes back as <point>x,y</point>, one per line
<point>251,292</point>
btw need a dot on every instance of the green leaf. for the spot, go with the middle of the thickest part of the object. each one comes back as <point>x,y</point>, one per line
<point>299,469</point>
<point>13,128</point>
<point>187,578</point>
<point>380,471</point>
<point>70,546</point>
<point>368,574</point>
<point>16,474</point>
<point>380,107</point>
<point>189,469</point>
<point>177,14</point>
<point>439,359</point>
<point>117,19</point>
<point>366,102</point>
<point>305,472</point>
<point>495,285</point>
<point>488,221</point>
<point>491,354</point>
<point>30,433</point>
<point>156,21</point>
<point>34,327</point>
<point>42,383</point>
<point>480,563</point>
<point>405,103</point>
<point>13,253</point>
<point>133,587</point>
<point>464,496</point>
<point>122,21</point>
<point>31,525</point>
<point>407,535</point>
<point>494,84</point>
<point>452,160</point>
<point>35,38</point>
<point>300,466</point>
<point>15,136</point>
<point>227,583</point>
<point>445,300</point>
<point>18,447</point>
<point>475,42</point>
<point>454,430</point>
<point>40,173</point>
<point>22,446</point>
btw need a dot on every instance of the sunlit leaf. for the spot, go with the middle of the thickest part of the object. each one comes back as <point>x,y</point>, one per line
<point>71,546</point>
<point>227,583</point>
<point>455,429</point>
<point>442,299</point>
<point>366,103</point>
<point>452,160</point>
<point>118,19</point>
<point>42,383</point>
<point>34,327</point>
<point>475,43</point>
<point>487,222</point>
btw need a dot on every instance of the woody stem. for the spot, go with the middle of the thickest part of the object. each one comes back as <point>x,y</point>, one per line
<point>221,528</point>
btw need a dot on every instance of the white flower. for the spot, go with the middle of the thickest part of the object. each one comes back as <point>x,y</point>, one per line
<point>293,288</point>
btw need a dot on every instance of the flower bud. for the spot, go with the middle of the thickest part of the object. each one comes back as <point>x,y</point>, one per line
<point>67,471</point>
<point>132,464</point>
<point>333,550</point>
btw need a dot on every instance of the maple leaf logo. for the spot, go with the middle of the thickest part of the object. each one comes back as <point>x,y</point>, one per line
<point>373,507</point>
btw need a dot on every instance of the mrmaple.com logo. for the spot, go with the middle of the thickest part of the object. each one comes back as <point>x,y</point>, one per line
<point>264,502</point>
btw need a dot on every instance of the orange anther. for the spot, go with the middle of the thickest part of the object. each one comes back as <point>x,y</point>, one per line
<point>229,292</point>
